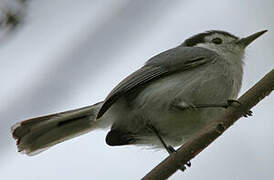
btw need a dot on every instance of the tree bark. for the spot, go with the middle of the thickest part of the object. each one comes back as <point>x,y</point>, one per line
<point>209,133</point>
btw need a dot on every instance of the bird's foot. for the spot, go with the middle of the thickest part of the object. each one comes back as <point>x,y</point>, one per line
<point>231,101</point>
<point>171,150</point>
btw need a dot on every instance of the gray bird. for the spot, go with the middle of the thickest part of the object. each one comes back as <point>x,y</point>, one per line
<point>162,104</point>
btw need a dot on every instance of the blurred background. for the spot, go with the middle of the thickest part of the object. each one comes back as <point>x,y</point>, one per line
<point>64,54</point>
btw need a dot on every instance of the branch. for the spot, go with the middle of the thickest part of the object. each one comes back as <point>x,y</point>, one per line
<point>209,133</point>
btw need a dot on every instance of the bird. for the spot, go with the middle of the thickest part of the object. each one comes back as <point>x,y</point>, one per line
<point>160,105</point>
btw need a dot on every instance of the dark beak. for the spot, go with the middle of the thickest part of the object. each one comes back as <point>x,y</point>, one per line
<point>244,42</point>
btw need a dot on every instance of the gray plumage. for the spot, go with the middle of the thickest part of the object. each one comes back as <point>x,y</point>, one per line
<point>206,69</point>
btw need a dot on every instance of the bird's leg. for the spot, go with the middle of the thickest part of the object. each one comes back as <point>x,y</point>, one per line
<point>181,105</point>
<point>168,148</point>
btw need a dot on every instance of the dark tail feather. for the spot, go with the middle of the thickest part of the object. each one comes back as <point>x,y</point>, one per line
<point>38,134</point>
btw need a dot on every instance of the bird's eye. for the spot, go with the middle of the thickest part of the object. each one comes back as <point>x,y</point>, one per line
<point>217,41</point>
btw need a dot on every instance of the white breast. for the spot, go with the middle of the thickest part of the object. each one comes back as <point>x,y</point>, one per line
<point>215,83</point>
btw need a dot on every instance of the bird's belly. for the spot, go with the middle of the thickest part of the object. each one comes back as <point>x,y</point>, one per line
<point>177,126</point>
<point>154,105</point>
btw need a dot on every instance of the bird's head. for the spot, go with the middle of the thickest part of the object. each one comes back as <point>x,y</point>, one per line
<point>223,43</point>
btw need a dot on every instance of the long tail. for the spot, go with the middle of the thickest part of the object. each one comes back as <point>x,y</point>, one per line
<point>38,134</point>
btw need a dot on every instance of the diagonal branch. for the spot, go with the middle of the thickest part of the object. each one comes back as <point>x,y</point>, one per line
<point>209,133</point>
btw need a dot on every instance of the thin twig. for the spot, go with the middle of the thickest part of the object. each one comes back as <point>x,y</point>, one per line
<point>209,133</point>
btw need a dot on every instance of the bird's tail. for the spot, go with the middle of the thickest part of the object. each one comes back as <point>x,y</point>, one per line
<point>38,134</point>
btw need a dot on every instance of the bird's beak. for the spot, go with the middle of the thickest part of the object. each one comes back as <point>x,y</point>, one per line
<point>244,42</point>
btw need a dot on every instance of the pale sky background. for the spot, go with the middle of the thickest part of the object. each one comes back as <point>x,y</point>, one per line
<point>70,54</point>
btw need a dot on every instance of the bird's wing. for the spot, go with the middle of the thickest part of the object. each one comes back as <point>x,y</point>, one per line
<point>164,64</point>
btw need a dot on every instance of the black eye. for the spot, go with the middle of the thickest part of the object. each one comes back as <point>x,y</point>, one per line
<point>217,41</point>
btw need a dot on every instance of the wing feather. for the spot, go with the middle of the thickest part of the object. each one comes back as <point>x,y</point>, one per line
<point>138,78</point>
<point>164,64</point>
